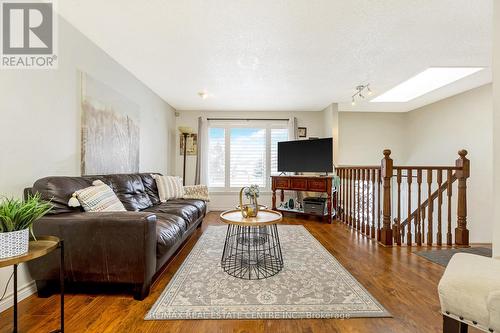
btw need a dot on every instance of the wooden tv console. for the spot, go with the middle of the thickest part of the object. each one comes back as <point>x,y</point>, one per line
<point>303,183</point>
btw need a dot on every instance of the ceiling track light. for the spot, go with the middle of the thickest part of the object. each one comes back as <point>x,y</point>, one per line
<point>359,92</point>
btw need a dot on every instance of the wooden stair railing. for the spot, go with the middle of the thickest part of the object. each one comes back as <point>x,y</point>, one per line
<point>437,194</point>
<point>366,194</point>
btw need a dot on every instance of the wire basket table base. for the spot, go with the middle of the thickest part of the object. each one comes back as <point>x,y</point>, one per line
<point>252,252</point>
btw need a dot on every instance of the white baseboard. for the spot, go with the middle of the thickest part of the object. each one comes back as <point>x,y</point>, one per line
<point>22,293</point>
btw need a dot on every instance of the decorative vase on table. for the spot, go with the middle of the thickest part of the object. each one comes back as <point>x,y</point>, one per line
<point>16,221</point>
<point>251,193</point>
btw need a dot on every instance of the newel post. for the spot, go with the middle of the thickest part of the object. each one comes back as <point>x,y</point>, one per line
<point>386,171</point>
<point>461,232</point>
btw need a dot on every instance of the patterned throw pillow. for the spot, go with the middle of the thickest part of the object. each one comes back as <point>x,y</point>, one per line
<point>169,187</point>
<point>98,198</point>
<point>199,192</point>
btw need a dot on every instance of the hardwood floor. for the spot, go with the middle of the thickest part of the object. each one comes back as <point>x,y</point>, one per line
<point>404,283</point>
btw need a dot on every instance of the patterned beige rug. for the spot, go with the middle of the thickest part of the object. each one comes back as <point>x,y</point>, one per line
<point>312,284</point>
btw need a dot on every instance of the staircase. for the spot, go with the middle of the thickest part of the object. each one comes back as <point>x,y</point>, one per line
<point>406,205</point>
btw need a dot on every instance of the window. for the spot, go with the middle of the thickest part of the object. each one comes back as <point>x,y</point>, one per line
<point>245,153</point>
<point>248,157</point>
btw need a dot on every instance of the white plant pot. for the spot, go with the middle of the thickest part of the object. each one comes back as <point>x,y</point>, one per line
<point>14,243</point>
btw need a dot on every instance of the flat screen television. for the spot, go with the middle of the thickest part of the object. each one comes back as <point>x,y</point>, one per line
<point>306,155</point>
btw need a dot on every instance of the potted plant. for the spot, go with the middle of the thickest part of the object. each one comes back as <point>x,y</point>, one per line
<point>16,223</point>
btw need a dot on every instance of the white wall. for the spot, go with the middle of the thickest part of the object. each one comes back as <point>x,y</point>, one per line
<point>364,135</point>
<point>311,119</point>
<point>438,131</point>
<point>331,127</point>
<point>496,124</point>
<point>40,120</point>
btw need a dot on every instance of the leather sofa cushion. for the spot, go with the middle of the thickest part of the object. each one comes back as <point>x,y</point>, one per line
<point>59,191</point>
<point>200,205</point>
<point>129,189</point>
<point>150,187</point>
<point>188,212</point>
<point>168,232</point>
<point>177,220</point>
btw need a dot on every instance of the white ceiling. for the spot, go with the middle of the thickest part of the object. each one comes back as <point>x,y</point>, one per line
<point>287,55</point>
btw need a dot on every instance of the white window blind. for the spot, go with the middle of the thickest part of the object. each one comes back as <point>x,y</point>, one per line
<point>242,153</point>
<point>277,135</point>
<point>248,157</point>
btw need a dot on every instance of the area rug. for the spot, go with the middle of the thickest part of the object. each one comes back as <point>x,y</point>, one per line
<point>443,257</point>
<point>312,284</point>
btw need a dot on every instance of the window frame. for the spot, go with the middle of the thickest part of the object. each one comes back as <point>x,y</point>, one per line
<point>227,126</point>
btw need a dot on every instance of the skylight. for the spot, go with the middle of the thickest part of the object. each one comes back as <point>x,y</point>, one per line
<point>431,79</point>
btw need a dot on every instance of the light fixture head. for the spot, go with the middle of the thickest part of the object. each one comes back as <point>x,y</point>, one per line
<point>203,94</point>
<point>370,92</point>
<point>185,129</point>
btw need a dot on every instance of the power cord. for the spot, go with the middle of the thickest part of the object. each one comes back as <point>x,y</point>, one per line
<point>6,286</point>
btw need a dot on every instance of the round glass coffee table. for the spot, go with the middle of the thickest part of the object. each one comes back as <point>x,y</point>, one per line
<point>252,249</point>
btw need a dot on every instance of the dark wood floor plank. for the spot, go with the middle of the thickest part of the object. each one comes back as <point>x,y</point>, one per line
<point>404,283</point>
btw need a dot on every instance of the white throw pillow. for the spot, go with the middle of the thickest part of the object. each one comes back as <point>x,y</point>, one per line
<point>169,187</point>
<point>199,192</point>
<point>98,198</point>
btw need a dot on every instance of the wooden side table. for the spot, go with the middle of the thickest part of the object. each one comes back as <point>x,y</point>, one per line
<point>42,246</point>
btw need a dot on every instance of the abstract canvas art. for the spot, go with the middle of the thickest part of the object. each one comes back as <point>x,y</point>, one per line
<point>110,130</point>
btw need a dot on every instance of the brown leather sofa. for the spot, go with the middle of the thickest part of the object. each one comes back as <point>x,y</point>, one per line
<point>116,247</point>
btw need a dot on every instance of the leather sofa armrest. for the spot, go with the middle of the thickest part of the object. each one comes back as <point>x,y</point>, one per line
<point>100,247</point>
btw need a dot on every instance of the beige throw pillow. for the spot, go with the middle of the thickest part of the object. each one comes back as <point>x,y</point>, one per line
<point>98,198</point>
<point>199,192</point>
<point>169,187</point>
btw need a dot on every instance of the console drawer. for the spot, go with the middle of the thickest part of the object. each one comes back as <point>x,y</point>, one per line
<point>298,184</point>
<point>283,183</point>
<point>317,185</point>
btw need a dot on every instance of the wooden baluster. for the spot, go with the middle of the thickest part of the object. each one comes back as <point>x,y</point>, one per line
<point>346,188</point>
<point>386,232</point>
<point>449,193</point>
<point>430,207</point>
<point>350,197</point>
<point>398,223</point>
<point>347,196</point>
<point>422,221</point>
<point>367,203</point>
<point>409,173</point>
<point>340,197</point>
<point>363,217</point>
<point>439,236</point>
<point>344,215</point>
<point>340,192</point>
<point>355,199</point>
<point>461,231</point>
<point>358,220</point>
<point>372,178</point>
<point>379,181</point>
<point>419,204</point>
<point>338,215</point>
